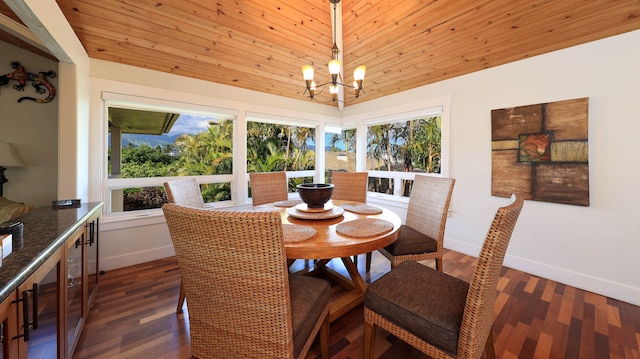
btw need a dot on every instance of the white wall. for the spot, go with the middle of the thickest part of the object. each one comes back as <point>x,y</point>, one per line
<point>594,248</point>
<point>31,127</point>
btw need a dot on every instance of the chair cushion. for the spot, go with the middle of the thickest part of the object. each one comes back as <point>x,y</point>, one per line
<point>10,209</point>
<point>309,296</point>
<point>423,301</point>
<point>410,241</point>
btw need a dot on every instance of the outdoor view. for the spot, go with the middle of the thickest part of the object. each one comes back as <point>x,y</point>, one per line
<point>201,145</point>
<point>405,146</point>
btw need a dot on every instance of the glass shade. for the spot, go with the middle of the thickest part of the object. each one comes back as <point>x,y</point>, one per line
<point>334,67</point>
<point>358,73</point>
<point>307,72</point>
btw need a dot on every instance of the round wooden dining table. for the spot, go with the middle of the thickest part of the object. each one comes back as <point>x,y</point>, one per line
<point>330,242</point>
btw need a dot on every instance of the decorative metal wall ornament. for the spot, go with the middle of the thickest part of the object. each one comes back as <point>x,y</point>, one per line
<point>38,81</point>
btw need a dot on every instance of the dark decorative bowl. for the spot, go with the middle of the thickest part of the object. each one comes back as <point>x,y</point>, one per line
<point>315,195</point>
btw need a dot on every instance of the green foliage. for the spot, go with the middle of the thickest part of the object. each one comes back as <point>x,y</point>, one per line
<point>408,146</point>
<point>144,161</point>
<point>273,148</point>
<point>143,198</point>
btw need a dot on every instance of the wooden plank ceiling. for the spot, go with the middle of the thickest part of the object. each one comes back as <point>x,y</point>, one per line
<point>261,45</point>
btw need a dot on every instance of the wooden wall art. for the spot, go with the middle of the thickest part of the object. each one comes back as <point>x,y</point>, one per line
<point>541,152</point>
<point>38,80</point>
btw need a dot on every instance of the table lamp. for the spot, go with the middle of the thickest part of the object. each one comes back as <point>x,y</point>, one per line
<point>8,158</point>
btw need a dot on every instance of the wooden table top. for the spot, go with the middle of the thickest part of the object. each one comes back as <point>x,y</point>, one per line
<point>327,243</point>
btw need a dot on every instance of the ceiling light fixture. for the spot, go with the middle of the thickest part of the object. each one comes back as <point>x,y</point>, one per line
<point>335,71</point>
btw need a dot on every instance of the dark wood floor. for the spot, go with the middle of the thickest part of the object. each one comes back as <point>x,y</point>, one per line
<point>134,317</point>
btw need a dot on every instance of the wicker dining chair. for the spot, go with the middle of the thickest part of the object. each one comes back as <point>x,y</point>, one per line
<point>243,303</point>
<point>350,186</point>
<point>440,315</point>
<point>422,235</point>
<point>268,187</point>
<point>185,192</point>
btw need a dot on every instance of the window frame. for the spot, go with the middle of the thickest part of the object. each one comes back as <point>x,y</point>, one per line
<point>425,108</point>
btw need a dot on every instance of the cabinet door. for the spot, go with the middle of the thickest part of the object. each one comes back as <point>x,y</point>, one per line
<point>93,268</point>
<point>8,328</point>
<point>75,287</point>
<point>40,309</point>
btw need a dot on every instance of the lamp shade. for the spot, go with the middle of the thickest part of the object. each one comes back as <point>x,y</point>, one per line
<point>307,72</point>
<point>8,156</point>
<point>334,67</point>
<point>358,73</point>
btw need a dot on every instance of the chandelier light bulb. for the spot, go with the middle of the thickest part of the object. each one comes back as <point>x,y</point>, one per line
<point>358,73</point>
<point>334,67</point>
<point>307,72</point>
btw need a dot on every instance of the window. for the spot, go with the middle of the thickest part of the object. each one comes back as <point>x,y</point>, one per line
<point>396,150</point>
<point>148,145</point>
<point>273,147</point>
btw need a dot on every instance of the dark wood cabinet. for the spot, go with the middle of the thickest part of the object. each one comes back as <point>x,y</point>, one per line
<point>44,315</point>
<point>8,328</point>
<point>40,309</point>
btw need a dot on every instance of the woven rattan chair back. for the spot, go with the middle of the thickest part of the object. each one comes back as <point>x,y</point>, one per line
<point>429,205</point>
<point>426,213</point>
<point>350,186</point>
<point>268,187</point>
<point>478,316</point>
<point>234,270</point>
<point>185,192</point>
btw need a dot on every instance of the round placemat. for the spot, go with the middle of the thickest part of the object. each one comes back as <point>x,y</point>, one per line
<point>335,212</point>
<point>361,208</point>
<point>297,233</point>
<point>364,227</point>
<point>287,203</point>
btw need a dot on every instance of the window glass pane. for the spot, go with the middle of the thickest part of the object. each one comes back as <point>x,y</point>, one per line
<point>406,146</point>
<point>156,144</point>
<point>275,147</point>
<point>278,147</point>
<point>134,199</point>
<point>340,154</point>
<point>395,148</point>
<point>380,185</point>
<point>143,198</point>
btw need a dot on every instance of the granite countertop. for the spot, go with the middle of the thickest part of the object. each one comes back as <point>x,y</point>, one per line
<point>45,231</point>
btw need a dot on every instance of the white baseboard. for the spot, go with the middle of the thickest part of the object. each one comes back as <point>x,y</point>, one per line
<point>589,283</point>
<point>134,258</point>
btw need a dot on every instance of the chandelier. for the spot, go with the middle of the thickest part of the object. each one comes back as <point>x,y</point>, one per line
<point>335,70</point>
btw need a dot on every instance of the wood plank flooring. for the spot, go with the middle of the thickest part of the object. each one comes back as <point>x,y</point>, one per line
<point>134,316</point>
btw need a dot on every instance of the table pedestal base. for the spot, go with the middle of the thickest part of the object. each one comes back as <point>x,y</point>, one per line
<point>355,286</point>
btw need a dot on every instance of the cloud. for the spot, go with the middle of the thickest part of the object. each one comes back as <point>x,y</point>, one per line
<point>191,124</point>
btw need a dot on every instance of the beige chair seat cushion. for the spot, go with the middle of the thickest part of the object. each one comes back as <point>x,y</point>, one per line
<point>309,296</point>
<point>425,302</point>
<point>10,209</point>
